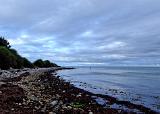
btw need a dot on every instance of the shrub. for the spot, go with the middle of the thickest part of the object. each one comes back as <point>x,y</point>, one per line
<point>39,63</point>
<point>4,42</point>
<point>27,63</point>
<point>19,59</point>
<point>10,58</point>
<point>7,59</point>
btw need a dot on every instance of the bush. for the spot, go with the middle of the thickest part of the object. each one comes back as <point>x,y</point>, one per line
<point>27,63</point>
<point>4,42</point>
<point>10,58</point>
<point>7,59</point>
<point>39,63</point>
<point>19,59</point>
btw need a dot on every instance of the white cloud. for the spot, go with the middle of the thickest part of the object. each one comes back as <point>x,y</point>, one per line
<point>18,41</point>
<point>113,45</point>
<point>88,33</point>
<point>83,30</point>
<point>116,44</point>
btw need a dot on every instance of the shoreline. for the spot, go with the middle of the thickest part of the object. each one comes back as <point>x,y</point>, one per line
<point>42,91</point>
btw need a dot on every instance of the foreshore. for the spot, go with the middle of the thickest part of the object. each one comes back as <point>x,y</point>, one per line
<point>42,91</point>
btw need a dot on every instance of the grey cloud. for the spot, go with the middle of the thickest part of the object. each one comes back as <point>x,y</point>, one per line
<point>84,31</point>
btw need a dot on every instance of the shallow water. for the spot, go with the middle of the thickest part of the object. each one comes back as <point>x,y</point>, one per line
<point>140,85</point>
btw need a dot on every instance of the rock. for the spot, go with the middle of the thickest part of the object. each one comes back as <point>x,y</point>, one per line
<point>79,95</point>
<point>53,103</point>
<point>32,97</point>
<point>1,83</point>
<point>90,113</point>
<point>64,107</point>
<point>69,107</point>
<point>52,113</point>
<point>58,96</point>
<point>12,109</point>
<point>43,109</point>
<point>119,111</point>
<point>60,102</point>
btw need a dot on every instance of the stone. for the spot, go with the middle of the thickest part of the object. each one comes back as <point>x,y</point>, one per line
<point>79,95</point>
<point>69,107</point>
<point>119,111</point>
<point>52,113</point>
<point>60,102</point>
<point>32,97</point>
<point>90,113</point>
<point>1,83</point>
<point>53,103</point>
<point>12,109</point>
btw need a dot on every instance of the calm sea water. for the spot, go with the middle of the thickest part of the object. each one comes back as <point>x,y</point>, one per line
<point>140,85</point>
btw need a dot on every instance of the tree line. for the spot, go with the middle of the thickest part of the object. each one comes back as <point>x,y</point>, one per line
<point>9,58</point>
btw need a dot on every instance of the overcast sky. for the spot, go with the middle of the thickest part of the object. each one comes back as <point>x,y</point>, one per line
<point>82,32</point>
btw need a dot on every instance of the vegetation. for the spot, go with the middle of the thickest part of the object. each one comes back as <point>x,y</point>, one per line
<point>19,59</point>
<point>40,63</point>
<point>4,42</point>
<point>9,58</point>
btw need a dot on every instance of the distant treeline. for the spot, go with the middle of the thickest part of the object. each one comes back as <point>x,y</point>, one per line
<point>9,58</point>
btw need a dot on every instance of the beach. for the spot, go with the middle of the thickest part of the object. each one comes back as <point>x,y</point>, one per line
<point>137,84</point>
<point>42,91</point>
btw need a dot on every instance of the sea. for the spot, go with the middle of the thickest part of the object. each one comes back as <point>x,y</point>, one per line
<point>139,85</point>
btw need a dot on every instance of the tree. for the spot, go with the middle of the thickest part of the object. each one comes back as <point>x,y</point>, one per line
<point>19,59</point>
<point>47,63</point>
<point>4,42</point>
<point>27,63</point>
<point>39,63</point>
<point>7,59</point>
<point>10,58</point>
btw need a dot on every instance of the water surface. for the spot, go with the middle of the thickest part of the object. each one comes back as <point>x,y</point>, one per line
<point>140,85</point>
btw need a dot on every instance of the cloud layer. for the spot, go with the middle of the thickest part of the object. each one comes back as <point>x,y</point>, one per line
<point>73,32</point>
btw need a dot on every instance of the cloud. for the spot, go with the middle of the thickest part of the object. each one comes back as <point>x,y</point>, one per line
<point>84,31</point>
<point>113,45</point>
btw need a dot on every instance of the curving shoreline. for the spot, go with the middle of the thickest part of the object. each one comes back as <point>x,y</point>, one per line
<point>42,91</point>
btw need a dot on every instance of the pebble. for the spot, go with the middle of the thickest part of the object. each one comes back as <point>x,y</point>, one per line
<point>52,113</point>
<point>69,107</point>
<point>1,83</point>
<point>32,97</point>
<point>12,109</point>
<point>79,95</point>
<point>90,113</point>
<point>119,111</point>
<point>53,103</point>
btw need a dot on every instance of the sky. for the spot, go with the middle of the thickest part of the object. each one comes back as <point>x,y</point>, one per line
<point>84,32</point>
